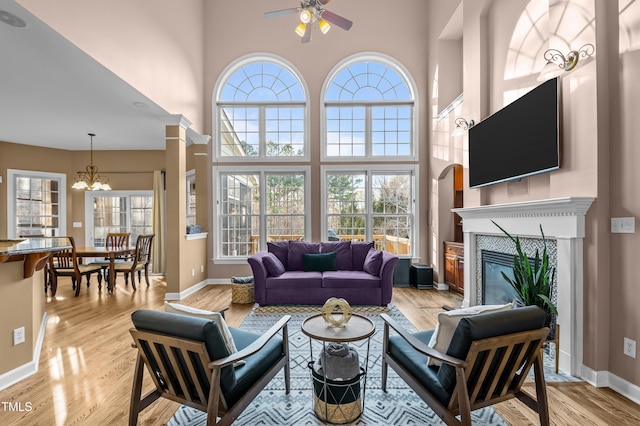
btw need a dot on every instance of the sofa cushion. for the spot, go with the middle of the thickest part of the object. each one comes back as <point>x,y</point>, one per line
<point>484,326</point>
<point>358,253</point>
<point>372,262</point>
<point>343,253</point>
<point>274,266</point>
<point>296,250</point>
<point>319,262</point>
<point>295,280</point>
<point>281,250</point>
<point>349,279</point>
<point>448,321</point>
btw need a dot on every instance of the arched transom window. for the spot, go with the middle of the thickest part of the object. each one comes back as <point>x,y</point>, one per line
<point>261,111</point>
<point>369,108</point>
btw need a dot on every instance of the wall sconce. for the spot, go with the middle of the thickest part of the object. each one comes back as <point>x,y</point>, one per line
<point>462,126</point>
<point>557,63</point>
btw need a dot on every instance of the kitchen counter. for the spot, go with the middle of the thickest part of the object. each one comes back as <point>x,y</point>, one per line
<point>33,251</point>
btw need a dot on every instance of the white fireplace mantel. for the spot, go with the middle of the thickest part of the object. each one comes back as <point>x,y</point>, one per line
<point>562,219</point>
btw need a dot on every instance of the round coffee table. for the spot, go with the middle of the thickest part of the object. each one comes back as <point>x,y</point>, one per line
<point>358,328</point>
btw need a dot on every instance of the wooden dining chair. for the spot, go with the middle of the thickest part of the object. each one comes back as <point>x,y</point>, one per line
<point>64,263</point>
<point>113,241</point>
<point>140,262</point>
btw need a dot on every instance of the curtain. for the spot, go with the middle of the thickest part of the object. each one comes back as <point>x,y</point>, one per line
<point>159,254</point>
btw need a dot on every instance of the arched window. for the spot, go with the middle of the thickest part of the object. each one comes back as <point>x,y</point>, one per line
<point>369,110</point>
<point>260,109</point>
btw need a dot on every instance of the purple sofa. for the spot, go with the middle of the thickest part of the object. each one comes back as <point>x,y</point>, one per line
<point>297,272</point>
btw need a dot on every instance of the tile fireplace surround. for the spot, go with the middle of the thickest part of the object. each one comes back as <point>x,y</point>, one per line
<point>562,220</point>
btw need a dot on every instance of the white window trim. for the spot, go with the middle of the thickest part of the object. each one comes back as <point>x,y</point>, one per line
<point>400,69</point>
<point>230,69</point>
<point>369,169</point>
<point>261,170</point>
<point>88,209</point>
<point>11,198</point>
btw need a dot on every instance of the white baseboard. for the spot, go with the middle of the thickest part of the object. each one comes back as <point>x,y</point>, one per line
<point>606,379</point>
<point>17,374</point>
<point>196,287</point>
<point>442,286</point>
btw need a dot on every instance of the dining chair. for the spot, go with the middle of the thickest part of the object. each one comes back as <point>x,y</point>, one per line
<point>114,240</point>
<point>64,263</point>
<point>141,261</point>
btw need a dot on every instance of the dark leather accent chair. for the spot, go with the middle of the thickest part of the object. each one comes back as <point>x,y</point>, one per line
<point>487,362</point>
<point>189,363</point>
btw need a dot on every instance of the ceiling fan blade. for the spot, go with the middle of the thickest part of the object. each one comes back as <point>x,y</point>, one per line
<point>307,34</point>
<point>343,23</point>
<point>323,1</point>
<point>277,13</point>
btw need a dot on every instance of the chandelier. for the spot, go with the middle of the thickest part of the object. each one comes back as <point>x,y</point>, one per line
<point>90,179</point>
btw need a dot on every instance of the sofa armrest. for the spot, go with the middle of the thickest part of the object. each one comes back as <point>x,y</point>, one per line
<point>389,262</point>
<point>260,274</point>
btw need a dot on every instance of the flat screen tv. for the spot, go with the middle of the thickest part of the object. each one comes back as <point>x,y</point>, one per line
<point>522,139</point>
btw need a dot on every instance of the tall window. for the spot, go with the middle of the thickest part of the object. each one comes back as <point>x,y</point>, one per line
<point>117,211</point>
<point>255,207</point>
<point>191,198</point>
<point>370,204</point>
<point>36,204</point>
<point>369,111</point>
<point>261,112</point>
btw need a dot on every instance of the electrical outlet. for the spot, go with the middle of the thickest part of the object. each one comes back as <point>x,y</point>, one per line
<point>623,225</point>
<point>193,272</point>
<point>201,268</point>
<point>629,347</point>
<point>18,336</point>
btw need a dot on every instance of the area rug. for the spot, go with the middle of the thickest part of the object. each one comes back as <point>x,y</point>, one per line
<point>399,406</point>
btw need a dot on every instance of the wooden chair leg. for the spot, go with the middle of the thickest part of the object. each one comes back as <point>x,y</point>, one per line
<point>136,392</point>
<point>287,367</point>
<point>54,284</point>
<point>146,274</point>
<point>557,346</point>
<point>133,280</point>
<point>541,392</point>
<point>385,367</point>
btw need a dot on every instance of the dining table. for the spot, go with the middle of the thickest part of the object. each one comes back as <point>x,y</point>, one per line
<point>106,253</point>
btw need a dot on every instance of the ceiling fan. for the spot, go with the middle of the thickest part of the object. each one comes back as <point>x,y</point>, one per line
<point>311,12</point>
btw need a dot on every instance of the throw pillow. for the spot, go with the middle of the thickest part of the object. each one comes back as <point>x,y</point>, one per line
<point>448,322</point>
<point>358,253</point>
<point>296,250</point>
<point>372,262</point>
<point>343,253</point>
<point>320,262</point>
<point>281,250</point>
<point>177,308</point>
<point>274,267</point>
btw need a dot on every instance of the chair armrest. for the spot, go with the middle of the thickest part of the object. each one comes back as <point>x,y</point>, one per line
<point>254,347</point>
<point>420,346</point>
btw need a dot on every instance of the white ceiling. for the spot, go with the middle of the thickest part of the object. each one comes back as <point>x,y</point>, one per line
<point>52,94</point>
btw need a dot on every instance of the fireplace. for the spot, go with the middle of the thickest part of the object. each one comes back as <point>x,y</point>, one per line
<point>495,289</point>
<point>563,221</point>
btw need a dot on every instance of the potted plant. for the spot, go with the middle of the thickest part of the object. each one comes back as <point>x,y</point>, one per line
<point>533,284</point>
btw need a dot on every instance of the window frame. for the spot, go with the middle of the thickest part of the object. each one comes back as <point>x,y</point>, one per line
<point>190,177</point>
<point>262,171</point>
<point>368,171</point>
<point>11,198</point>
<point>216,108</point>
<point>404,73</point>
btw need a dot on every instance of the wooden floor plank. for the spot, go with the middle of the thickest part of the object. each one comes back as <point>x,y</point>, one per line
<point>86,366</point>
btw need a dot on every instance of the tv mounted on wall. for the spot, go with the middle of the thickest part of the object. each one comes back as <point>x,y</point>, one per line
<point>522,139</point>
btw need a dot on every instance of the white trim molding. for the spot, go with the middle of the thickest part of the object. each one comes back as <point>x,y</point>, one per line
<point>562,219</point>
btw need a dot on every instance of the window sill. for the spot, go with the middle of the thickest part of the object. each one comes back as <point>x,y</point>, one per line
<point>199,236</point>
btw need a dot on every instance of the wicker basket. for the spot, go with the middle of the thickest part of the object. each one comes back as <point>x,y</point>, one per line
<point>242,293</point>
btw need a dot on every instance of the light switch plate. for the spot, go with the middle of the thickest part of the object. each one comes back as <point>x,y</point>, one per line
<point>623,225</point>
<point>77,224</point>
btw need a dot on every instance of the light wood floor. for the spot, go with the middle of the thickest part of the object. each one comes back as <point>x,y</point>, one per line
<point>86,365</point>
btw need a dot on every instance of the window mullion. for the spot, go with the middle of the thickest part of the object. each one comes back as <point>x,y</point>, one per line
<point>262,131</point>
<point>263,210</point>
<point>368,131</point>
<point>368,197</point>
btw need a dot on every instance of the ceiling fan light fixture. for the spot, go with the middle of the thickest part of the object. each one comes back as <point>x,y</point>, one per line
<point>324,26</point>
<point>301,29</point>
<point>306,16</point>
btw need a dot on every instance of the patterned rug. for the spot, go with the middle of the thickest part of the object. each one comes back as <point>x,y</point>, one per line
<point>399,406</point>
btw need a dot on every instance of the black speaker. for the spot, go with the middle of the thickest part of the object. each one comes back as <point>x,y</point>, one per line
<point>401,273</point>
<point>421,276</point>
